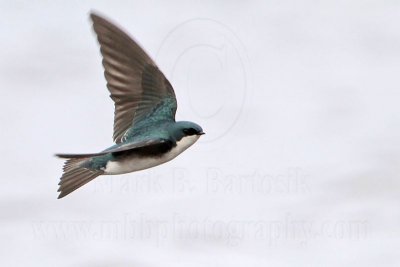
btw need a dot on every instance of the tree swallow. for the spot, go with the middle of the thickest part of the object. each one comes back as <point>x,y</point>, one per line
<point>145,131</point>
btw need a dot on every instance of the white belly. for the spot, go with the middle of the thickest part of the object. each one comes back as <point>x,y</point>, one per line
<point>140,163</point>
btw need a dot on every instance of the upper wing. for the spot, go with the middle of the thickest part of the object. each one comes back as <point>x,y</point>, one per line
<point>136,84</point>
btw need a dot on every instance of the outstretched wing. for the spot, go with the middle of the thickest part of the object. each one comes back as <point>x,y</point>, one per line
<point>136,84</point>
<point>150,143</point>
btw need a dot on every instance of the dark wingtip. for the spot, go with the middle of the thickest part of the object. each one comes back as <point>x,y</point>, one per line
<point>62,156</point>
<point>93,14</point>
<point>96,16</point>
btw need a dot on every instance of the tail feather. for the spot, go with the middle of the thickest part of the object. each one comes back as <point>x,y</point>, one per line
<point>75,176</point>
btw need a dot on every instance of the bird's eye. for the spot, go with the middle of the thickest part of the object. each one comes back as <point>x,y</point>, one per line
<point>189,131</point>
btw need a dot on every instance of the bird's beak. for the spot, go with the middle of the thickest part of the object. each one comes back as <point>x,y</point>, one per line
<point>201,133</point>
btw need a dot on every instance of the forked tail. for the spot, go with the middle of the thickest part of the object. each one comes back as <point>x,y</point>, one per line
<point>75,175</point>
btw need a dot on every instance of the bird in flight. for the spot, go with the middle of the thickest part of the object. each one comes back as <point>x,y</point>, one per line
<point>145,131</point>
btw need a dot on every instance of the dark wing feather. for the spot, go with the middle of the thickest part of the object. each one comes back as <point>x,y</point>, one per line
<point>121,148</point>
<point>136,84</point>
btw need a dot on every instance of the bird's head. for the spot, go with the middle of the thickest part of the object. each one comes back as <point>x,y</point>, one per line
<point>186,129</point>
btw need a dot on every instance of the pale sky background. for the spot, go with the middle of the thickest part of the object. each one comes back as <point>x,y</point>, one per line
<point>299,167</point>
